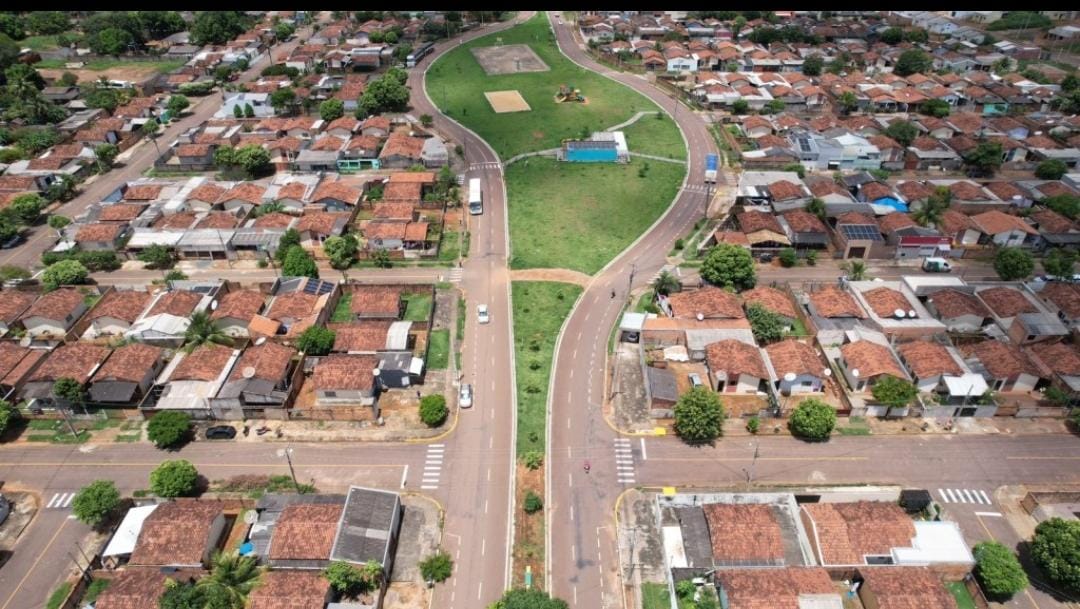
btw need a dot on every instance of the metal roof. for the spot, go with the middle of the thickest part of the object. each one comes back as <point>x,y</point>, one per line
<point>365,530</point>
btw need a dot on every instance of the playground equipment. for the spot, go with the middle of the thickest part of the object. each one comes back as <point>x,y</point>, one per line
<point>569,93</point>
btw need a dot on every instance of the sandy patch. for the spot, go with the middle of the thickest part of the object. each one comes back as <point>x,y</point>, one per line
<point>507,101</point>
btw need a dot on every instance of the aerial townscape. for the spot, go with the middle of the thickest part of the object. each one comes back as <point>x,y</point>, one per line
<point>540,309</point>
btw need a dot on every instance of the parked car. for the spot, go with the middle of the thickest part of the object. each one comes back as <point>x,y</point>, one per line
<point>482,314</point>
<point>695,379</point>
<point>14,241</point>
<point>465,395</point>
<point>221,432</point>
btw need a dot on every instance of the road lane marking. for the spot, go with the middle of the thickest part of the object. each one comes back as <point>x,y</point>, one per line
<point>571,513</point>
<point>984,496</point>
<point>967,496</point>
<point>644,455</point>
<point>485,506</point>
<point>571,478</point>
<point>428,487</point>
<point>483,546</point>
<point>479,590</point>
<point>994,514</point>
<point>573,553</point>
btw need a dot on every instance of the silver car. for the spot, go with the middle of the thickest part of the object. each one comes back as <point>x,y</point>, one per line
<point>482,314</point>
<point>465,395</point>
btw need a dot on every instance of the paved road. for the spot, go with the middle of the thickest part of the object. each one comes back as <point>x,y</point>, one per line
<point>137,160</point>
<point>247,275</point>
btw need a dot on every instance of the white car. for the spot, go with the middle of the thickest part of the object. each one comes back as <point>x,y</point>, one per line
<point>465,396</point>
<point>482,314</point>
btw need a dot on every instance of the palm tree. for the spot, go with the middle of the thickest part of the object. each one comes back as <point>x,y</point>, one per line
<point>855,269</point>
<point>232,577</point>
<point>928,215</point>
<point>666,283</point>
<point>202,330</point>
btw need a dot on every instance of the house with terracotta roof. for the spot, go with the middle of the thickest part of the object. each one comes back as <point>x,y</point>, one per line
<point>303,535</point>
<point>115,312</point>
<point>1060,362</point>
<point>960,310</point>
<point>959,227</point>
<point>133,589</point>
<point>1004,230</point>
<point>244,196</point>
<point>1005,367</point>
<point>262,383</point>
<point>166,318</point>
<point>778,588</point>
<point>16,364</point>
<point>804,229</point>
<point>1020,314</point>
<point>100,236</point>
<point>54,313</point>
<point>376,302</point>
<point>1055,229</point>
<point>181,533</point>
<point>1061,298</point>
<point>831,302</point>
<point>235,310</point>
<point>859,236</point>
<point>13,303</point>
<point>704,303</point>
<point>892,309</point>
<point>865,358</point>
<point>736,367</point>
<point>78,361</point>
<point>903,588</point>
<point>773,300</point>
<point>795,367</point>
<point>762,230</point>
<point>191,380</point>
<point>340,379</point>
<point>935,368</point>
<point>127,375</point>
<point>401,151</point>
<point>290,589</point>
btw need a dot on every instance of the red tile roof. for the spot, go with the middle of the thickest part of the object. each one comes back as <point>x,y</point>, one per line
<point>734,357</point>
<point>399,144</point>
<point>305,532</point>
<point>176,533</point>
<point>772,299</point>
<point>794,356</point>
<point>133,589</point>
<point>270,361</point>
<point>290,589</point>
<point>124,305</point>
<point>831,301</point>
<point>895,221</point>
<point>129,363</point>
<point>1065,296</point>
<point>13,303</point>
<point>848,532</point>
<point>951,303</point>
<point>785,191</point>
<point>120,212</point>
<point>71,360</point>
<point>1007,302</point>
<point>746,534</point>
<point>143,192</point>
<point>708,302</point>
<point>56,305</point>
<point>870,359</point>
<point>99,232</point>
<point>345,372</point>
<point>205,363</point>
<point>292,305</point>
<point>753,221</point>
<point>247,192</point>
<point>1001,360</point>
<point>804,222</point>
<point>239,304</point>
<point>926,359</point>
<point>779,588</point>
<point>1062,358</point>
<point>907,588</point>
<point>381,301</point>
<point>885,301</point>
<point>180,303</point>
<point>994,222</point>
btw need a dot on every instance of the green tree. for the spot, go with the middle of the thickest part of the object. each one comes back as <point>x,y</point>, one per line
<point>47,23</point>
<point>1051,169</point>
<point>249,111</point>
<point>437,567</point>
<point>216,27</point>
<point>894,392</point>
<point>254,159</point>
<point>174,479</point>
<point>433,409</point>
<point>773,106</point>
<point>1064,204</point>
<point>1056,550</point>
<point>177,104</point>
<point>666,283</point>
<point>768,327</point>
<point>331,110</point>
<point>855,269</point>
<point>68,390</point>
<point>892,36</point>
<point>699,416</point>
<point>788,257</point>
<point>299,263</point>
<point>159,24</point>
<point>386,94</point>
<point>156,256</point>
<point>68,79</point>
<point>533,503</point>
<point>533,459</point>
<point>1059,262</point>
<point>283,100</point>
<point>150,128</point>
<point>111,41</point>
<point>817,207</point>
<point>283,30</point>
<point>341,250</point>
<point>813,65</point>
<point>911,62</point>
<point>316,340</point>
<point>181,596</point>
<point>998,570</point>
<point>58,222</point>
<point>9,51</point>
<point>8,415</point>
<point>985,159</point>
<point>168,428</point>
<point>64,272</point>
<point>520,598</point>
<point>931,212</point>
<point>201,331</point>
<point>812,420</point>
<point>1013,263</point>
<point>27,208</point>
<point>729,265</point>
<point>426,120</point>
<point>106,156</point>
<point>740,107</point>
<point>902,131</point>
<point>237,112</point>
<point>935,107</point>
<point>232,578</point>
<point>288,239</point>
<point>95,503</point>
<point>847,102</point>
<point>344,578</point>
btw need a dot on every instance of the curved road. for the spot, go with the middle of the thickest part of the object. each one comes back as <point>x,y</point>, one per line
<point>582,557</point>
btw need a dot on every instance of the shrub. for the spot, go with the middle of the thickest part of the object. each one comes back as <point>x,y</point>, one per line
<point>174,479</point>
<point>437,567</point>
<point>343,577</point>
<point>788,257</point>
<point>65,272</point>
<point>95,502</point>
<point>894,392</point>
<point>168,428</point>
<point>813,420</point>
<point>998,570</point>
<point>533,502</point>
<point>316,340</point>
<point>533,459</point>
<point>8,415</point>
<point>753,424</point>
<point>433,410</point>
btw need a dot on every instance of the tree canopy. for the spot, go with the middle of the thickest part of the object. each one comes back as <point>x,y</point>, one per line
<point>433,409</point>
<point>912,61</point>
<point>341,250</point>
<point>64,272</point>
<point>168,428</point>
<point>1056,550</point>
<point>316,340</point>
<point>299,263</point>
<point>1051,169</point>
<point>385,94</point>
<point>519,598</point>
<point>1059,262</point>
<point>729,265</point>
<point>902,131</point>
<point>699,416</point>
<point>812,419</point>
<point>217,27</point>
<point>998,570</point>
<point>95,502</point>
<point>894,392</point>
<point>1012,263</point>
<point>985,159</point>
<point>768,327</point>
<point>174,479</point>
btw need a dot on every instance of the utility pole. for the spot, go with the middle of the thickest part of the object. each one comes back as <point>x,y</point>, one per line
<point>630,280</point>
<point>750,473</point>
<point>287,453</point>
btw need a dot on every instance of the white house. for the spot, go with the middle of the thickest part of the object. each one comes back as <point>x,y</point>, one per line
<point>52,315</point>
<point>259,102</point>
<point>796,367</point>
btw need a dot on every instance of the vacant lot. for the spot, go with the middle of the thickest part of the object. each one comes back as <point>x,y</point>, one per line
<point>112,69</point>
<point>456,83</point>
<point>650,135</point>
<point>509,59</point>
<point>539,310</point>
<point>580,215</point>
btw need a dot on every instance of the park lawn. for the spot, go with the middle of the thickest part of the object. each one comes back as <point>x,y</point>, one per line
<point>457,82</point>
<point>540,307</point>
<point>649,135</point>
<point>581,215</point>
<point>417,307</point>
<point>438,349</point>
<point>39,43</point>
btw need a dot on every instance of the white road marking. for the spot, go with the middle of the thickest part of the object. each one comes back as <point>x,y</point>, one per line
<point>959,496</point>
<point>483,546</point>
<point>573,553</point>
<point>431,468</point>
<point>53,500</point>
<point>491,442</point>
<point>644,455</point>
<point>967,496</point>
<point>994,514</point>
<point>568,423</point>
<point>428,487</point>
<point>489,475</point>
<point>571,513</point>
<point>485,506</point>
<point>575,596</point>
<point>479,590</point>
<point>571,477</point>
<point>404,475</point>
<point>983,493</point>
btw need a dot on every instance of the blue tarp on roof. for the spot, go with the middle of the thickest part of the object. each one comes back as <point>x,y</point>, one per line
<point>896,204</point>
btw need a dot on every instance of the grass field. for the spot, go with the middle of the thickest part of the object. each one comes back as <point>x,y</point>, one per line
<point>579,216</point>
<point>456,83</point>
<point>649,135</point>
<point>449,246</point>
<point>99,65</point>
<point>439,350</point>
<point>418,307</point>
<point>654,596</point>
<point>539,310</point>
<point>39,43</point>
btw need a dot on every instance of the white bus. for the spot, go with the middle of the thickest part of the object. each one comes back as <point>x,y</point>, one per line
<point>476,197</point>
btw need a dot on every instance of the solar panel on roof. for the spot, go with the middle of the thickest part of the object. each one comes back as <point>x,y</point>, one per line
<point>325,287</point>
<point>310,288</point>
<point>861,231</point>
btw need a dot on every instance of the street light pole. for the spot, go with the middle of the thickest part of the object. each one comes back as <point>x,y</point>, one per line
<point>630,280</point>
<point>287,453</point>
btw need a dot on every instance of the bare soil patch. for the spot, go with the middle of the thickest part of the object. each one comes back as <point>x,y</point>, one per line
<point>528,528</point>
<point>509,59</point>
<point>507,101</point>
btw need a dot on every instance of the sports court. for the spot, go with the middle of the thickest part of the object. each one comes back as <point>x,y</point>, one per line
<point>509,59</point>
<point>507,101</point>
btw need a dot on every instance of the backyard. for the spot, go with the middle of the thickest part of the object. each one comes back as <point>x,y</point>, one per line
<point>439,350</point>
<point>539,310</point>
<point>581,215</point>
<point>417,306</point>
<point>456,83</point>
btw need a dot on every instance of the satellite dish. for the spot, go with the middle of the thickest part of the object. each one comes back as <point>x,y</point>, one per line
<point>375,372</point>
<point>912,314</point>
<point>898,313</point>
<point>248,372</point>
<point>700,316</point>
<point>260,340</point>
<point>213,305</point>
<point>251,517</point>
<point>827,372</point>
<point>855,372</point>
<point>790,376</point>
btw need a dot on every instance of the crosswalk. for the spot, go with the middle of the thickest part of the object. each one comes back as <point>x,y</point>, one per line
<point>60,501</point>
<point>454,276</point>
<point>699,188</point>
<point>957,495</point>
<point>479,166</point>
<point>624,461</point>
<point>433,463</point>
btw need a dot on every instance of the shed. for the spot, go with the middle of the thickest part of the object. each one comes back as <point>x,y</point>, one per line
<point>123,540</point>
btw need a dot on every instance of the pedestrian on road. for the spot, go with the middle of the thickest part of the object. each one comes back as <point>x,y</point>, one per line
<point>613,294</point>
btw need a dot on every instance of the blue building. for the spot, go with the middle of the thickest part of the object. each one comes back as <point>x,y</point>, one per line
<point>601,147</point>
